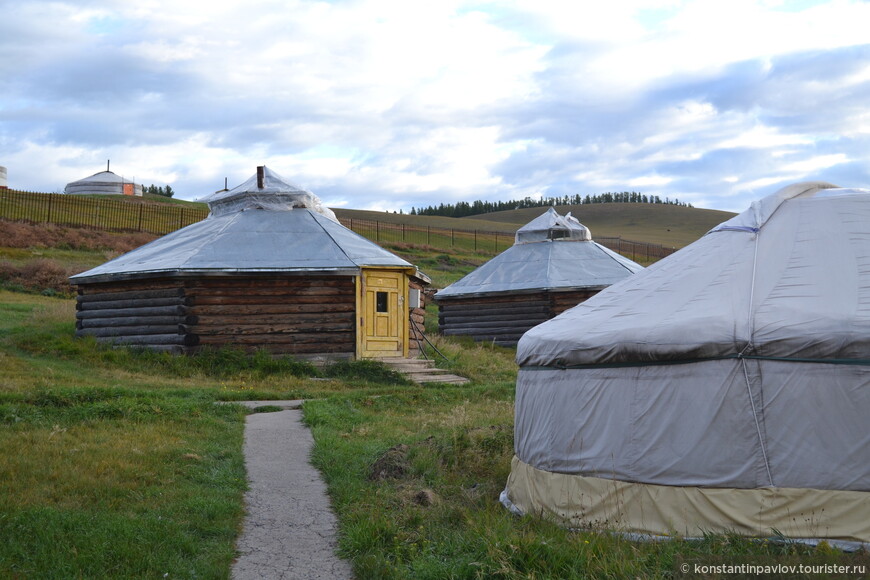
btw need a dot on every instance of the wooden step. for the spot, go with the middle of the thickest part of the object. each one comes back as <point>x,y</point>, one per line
<point>422,371</point>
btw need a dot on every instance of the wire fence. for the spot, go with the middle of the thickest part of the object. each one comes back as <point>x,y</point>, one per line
<point>484,241</point>
<point>139,215</point>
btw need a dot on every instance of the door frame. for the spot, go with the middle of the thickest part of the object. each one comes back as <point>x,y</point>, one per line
<point>403,312</point>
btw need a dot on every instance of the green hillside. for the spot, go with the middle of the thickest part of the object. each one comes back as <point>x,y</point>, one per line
<point>469,223</point>
<point>669,225</point>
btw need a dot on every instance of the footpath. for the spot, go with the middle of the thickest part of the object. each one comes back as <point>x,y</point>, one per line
<point>289,529</point>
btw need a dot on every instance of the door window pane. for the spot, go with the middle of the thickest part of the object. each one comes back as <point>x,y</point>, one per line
<point>381,301</point>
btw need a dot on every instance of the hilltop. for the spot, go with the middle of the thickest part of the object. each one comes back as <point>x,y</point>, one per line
<point>669,225</point>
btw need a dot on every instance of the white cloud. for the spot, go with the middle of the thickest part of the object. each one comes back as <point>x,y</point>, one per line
<point>393,103</point>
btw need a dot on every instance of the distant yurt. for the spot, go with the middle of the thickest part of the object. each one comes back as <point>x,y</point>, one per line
<point>552,266</point>
<point>725,388</point>
<point>103,183</point>
<point>269,268</point>
<point>3,182</point>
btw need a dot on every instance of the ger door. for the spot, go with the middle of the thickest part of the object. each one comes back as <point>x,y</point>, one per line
<point>383,319</point>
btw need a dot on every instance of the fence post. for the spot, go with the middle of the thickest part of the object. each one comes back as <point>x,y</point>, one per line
<point>475,240</point>
<point>50,199</point>
<point>403,232</point>
<point>141,205</point>
<point>429,235</point>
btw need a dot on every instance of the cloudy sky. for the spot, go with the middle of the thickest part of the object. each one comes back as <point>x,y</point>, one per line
<point>388,104</point>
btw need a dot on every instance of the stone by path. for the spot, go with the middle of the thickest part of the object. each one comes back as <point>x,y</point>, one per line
<point>289,530</point>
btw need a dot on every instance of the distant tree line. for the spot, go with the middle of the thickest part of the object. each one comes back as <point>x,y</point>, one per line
<point>463,208</point>
<point>165,191</point>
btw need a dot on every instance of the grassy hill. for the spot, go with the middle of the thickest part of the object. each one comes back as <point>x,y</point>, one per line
<point>669,225</point>
<point>470,223</point>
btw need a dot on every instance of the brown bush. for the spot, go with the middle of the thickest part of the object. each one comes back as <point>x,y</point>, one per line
<point>26,235</point>
<point>40,275</point>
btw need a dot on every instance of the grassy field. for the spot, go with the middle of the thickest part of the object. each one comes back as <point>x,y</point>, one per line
<point>117,463</point>
<point>669,225</point>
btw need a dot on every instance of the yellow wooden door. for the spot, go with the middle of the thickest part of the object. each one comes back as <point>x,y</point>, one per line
<point>383,325</point>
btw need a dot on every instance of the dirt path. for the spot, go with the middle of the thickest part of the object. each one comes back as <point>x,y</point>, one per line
<point>289,530</point>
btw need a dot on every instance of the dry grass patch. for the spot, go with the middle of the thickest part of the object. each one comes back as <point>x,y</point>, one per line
<point>14,234</point>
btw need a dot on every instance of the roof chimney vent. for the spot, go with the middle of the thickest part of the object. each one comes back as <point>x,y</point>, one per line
<point>261,176</point>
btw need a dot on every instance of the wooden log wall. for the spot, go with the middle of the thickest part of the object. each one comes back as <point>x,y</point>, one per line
<point>503,319</point>
<point>151,314</point>
<point>307,316</point>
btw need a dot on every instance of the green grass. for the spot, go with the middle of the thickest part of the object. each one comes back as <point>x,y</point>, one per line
<point>116,463</point>
<point>415,477</point>
<point>669,225</point>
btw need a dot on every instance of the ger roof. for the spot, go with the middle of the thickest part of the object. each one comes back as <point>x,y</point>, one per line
<point>789,278</point>
<point>102,177</point>
<point>248,231</point>
<point>551,252</point>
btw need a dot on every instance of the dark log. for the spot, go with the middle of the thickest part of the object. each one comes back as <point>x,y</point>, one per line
<point>324,340</point>
<point>139,303</point>
<point>136,321</point>
<point>270,282</point>
<point>255,300</point>
<point>483,309</point>
<point>207,319</point>
<point>289,292</point>
<point>509,315</point>
<point>487,326</point>
<point>271,329</point>
<point>128,330</point>
<point>121,294</point>
<point>146,340</point>
<point>271,309</point>
<point>131,312</point>
<point>152,285</point>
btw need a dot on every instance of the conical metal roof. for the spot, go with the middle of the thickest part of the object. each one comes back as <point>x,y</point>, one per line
<point>551,252</point>
<point>249,231</point>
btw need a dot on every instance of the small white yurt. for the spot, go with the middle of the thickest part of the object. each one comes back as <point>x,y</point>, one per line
<point>725,388</point>
<point>103,183</point>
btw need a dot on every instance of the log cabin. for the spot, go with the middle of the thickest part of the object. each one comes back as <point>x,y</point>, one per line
<point>553,265</point>
<point>269,268</point>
